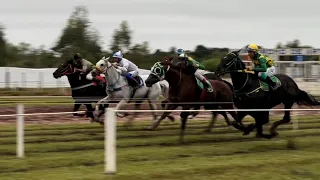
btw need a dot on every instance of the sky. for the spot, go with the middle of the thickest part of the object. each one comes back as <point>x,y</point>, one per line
<point>167,23</point>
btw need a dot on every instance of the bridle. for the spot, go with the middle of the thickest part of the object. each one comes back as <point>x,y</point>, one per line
<point>105,71</point>
<point>67,70</point>
<point>233,62</point>
<point>165,71</point>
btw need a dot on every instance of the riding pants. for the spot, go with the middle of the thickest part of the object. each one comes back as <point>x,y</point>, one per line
<point>199,75</point>
<point>270,72</point>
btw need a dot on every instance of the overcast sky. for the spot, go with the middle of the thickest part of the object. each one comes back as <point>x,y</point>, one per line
<point>166,23</point>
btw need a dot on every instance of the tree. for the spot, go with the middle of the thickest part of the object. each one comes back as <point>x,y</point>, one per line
<point>293,44</point>
<point>3,46</point>
<point>172,50</point>
<point>121,39</point>
<point>140,49</point>
<point>201,51</point>
<point>77,36</point>
<point>279,45</point>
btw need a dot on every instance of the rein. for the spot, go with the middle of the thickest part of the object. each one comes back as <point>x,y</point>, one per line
<point>106,73</point>
<point>238,91</point>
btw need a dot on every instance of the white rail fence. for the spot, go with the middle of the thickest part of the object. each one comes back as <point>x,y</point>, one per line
<point>110,129</point>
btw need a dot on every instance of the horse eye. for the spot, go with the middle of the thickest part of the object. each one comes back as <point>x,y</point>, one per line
<point>102,65</point>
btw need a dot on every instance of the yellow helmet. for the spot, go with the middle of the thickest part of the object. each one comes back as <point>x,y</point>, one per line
<point>253,47</point>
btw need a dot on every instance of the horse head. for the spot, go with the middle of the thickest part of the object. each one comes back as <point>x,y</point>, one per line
<point>109,70</point>
<point>66,68</point>
<point>103,64</point>
<point>157,73</point>
<point>167,61</point>
<point>230,63</point>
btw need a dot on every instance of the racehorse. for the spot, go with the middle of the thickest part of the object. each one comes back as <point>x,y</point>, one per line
<point>118,88</point>
<point>208,75</point>
<point>187,92</point>
<point>251,93</point>
<point>83,91</point>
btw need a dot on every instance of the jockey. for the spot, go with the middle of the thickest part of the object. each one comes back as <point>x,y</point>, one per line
<point>262,64</point>
<point>198,70</point>
<point>127,68</point>
<point>86,68</point>
<point>181,51</point>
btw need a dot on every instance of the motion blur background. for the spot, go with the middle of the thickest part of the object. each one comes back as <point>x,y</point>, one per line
<point>37,35</point>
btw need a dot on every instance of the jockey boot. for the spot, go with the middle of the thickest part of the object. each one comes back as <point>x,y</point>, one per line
<point>272,84</point>
<point>133,82</point>
<point>207,85</point>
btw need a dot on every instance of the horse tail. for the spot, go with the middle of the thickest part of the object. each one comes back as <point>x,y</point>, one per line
<point>304,98</point>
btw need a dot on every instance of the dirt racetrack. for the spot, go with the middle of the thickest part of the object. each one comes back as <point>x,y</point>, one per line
<point>69,118</point>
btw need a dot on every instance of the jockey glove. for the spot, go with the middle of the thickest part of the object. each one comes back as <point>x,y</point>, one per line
<point>129,76</point>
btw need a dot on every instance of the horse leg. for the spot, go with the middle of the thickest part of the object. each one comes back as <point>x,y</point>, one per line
<point>96,114</point>
<point>90,111</point>
<point>226,118</point>
<point>194,113</point>
<point>261,118</point>
<point>163,105</point>
<point>153,106</point>
<point>237,123</point>
<point>169,106</point>
<point>213,119</point>
<point>137,106</point>
<point>286,119</point>
<point>184,118</point>
<point>76,108</point>
<point>120,105</point>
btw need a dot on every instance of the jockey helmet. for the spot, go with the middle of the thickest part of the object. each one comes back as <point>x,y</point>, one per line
<point>118,55</point>
<point>180,51</point>
<point>252,48</point>
<point>77,56</point>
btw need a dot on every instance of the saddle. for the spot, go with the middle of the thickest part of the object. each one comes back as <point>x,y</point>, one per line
<point>136,82</point>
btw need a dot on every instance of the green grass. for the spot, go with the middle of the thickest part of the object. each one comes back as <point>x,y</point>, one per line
<point>72,151</point>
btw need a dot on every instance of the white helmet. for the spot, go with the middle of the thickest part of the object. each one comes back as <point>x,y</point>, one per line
<point>180,51</point>
<point>183,56</point>
<point>118,55</point>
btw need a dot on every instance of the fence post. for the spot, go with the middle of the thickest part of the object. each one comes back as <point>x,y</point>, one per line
<point>110,129</point>
<point>20,131</point>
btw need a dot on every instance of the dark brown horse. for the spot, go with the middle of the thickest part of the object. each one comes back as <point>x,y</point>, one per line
<point>185,92</point>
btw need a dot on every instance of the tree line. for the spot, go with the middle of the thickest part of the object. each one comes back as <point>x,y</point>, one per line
<point>79,36</point>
